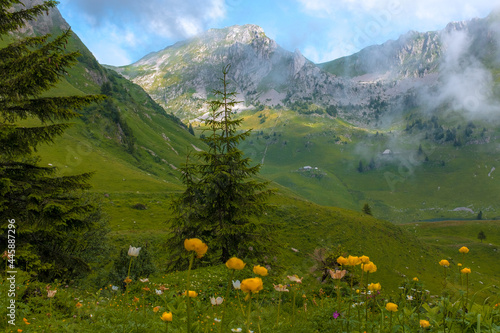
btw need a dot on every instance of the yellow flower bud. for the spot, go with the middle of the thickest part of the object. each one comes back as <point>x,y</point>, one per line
<point>195,244</point>
<point>369,267</point>
<point>259,270</point>
<point>463,249</point>
<point>364,259</point>
<point>353,261</point>
<point>444,263</point>
<point>235,263</point>
<point>253,285</point>
<point>465,270</point>
<point>166,316</point>
<point>342,261</point>
<point>391,307</point>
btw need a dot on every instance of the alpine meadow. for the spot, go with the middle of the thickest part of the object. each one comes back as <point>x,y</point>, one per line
<point>227,184</point>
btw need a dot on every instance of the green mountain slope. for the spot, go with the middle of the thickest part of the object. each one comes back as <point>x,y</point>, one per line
<point>129,141</point>
<point>415,179</point>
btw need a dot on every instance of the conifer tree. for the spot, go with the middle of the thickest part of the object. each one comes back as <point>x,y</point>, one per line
<point>222,200</point>
<point>481,236</point>
<point>55,220</point>
<point>367,209</point>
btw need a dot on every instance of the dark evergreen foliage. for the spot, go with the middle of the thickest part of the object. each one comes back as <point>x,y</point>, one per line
<point>367,209</point>
<point>222,201</point>
<point>481,236</point>
<point>190,129</point>
<point>55,219</point>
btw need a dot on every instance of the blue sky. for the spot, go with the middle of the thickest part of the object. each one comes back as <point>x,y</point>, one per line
<point>119,32</point>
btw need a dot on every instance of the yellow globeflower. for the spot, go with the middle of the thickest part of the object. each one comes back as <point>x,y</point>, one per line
<point>235,263</point>
<point>374,287</point>
<point>424,323</point>
<point>465,270</point>
<point>166,316</point>
<point>364,259</point>
<point>444,263</point>
<point>463,249</point>
<point>259,270</point>
<point>391,307</point>
<point>342,261</point>
<point>191,293</point>
<point>369,267</point>
<point>253,285</point>
<point>78,305</point>
<point>415,279</point>
<point>156,309</point>
<point>195,244</point>
<point>353,261</point>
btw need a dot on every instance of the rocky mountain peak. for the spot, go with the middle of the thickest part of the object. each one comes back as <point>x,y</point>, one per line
<point>456,26</point>
<point>43,24</point>
<point>244,34</point>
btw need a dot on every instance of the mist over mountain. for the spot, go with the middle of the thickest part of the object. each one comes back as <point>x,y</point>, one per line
<point>456,67</point>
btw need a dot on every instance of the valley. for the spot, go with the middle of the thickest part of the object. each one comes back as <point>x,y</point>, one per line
<point>408,129</point>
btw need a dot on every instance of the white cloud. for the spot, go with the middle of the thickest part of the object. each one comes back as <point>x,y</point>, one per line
<point>465,83</point>
<point>118,30</point>
<point>166,18</point>
<point>434,12</point>
<point>355,24</point>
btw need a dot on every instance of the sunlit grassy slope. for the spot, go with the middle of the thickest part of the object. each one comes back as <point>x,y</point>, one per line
<point>400,186</point>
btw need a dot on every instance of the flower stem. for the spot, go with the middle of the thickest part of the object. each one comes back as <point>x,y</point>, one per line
<point>467,294</point>
<point>226,298</point>
<point>390,322</point>
<point>130,264</point>
<point>128,276</point>
<point>249,311</point>
<point>366,309</point>
<point>50,305</point>
<point>444,315</point>
<point>188,300</point>
<point>279,304</point>
<point>338,295</point>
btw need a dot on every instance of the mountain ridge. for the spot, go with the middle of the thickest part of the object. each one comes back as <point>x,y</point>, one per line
<point>180,77</point>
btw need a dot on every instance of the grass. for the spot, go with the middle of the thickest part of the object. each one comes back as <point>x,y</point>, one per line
<point>445,237</point>
<point>402,187</point>
<point>308,306</point>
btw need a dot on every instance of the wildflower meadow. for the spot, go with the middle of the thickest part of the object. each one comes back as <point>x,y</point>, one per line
<point>245,297</point>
